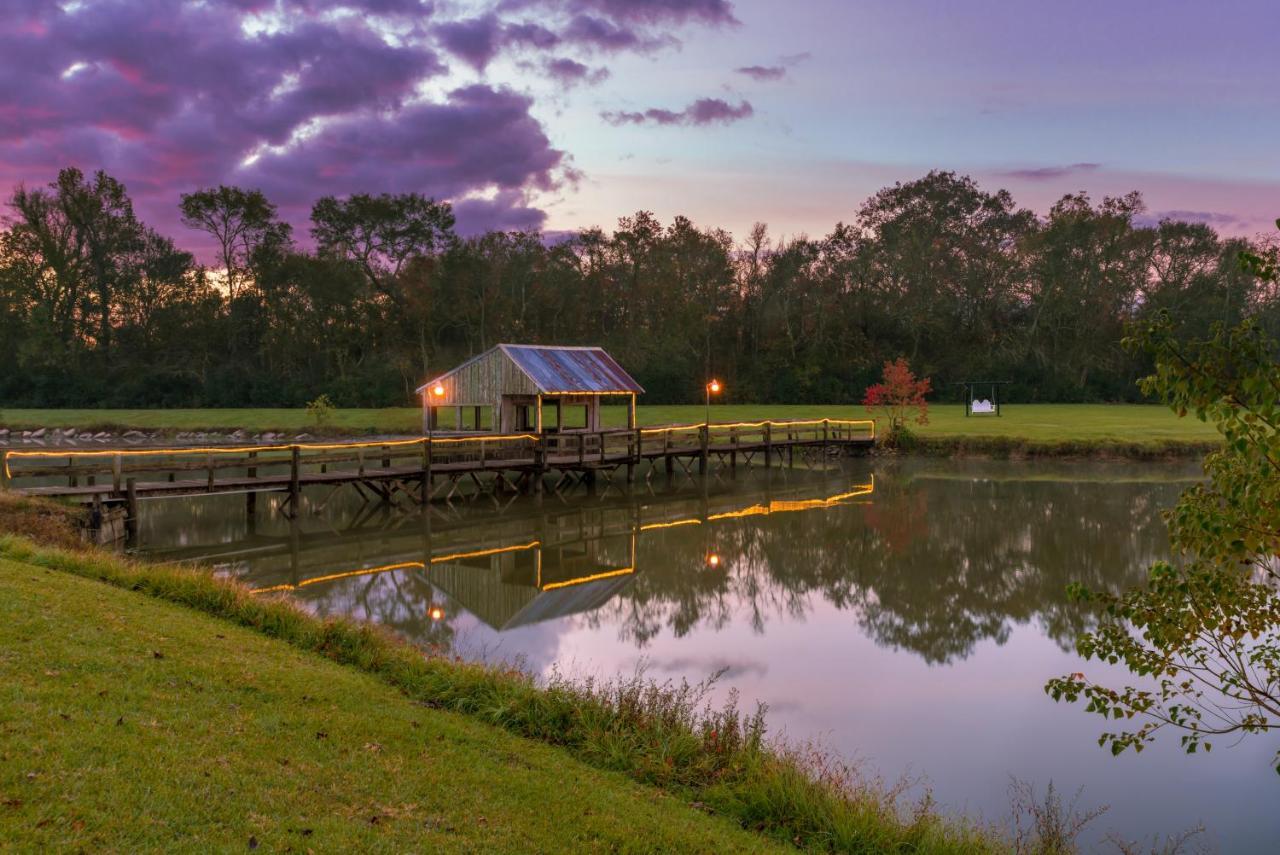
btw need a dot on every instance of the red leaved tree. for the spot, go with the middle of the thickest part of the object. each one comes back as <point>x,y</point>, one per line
<point>897,395</point>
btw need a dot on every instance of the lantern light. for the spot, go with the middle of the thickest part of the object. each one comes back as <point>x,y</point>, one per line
<point>714,387</point>
<point>713,560</point>
<point>436,613</point>
<point>438,390</point>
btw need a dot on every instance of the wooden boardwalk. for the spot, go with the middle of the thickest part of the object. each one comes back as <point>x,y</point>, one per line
<point>427,469</point>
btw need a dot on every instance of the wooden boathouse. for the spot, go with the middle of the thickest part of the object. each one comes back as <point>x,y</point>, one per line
<point>514,388</point>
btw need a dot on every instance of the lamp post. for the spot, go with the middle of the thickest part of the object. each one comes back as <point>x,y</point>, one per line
<point>713,388</point>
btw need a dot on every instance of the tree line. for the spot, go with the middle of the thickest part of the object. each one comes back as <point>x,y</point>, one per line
<point>99,309</point>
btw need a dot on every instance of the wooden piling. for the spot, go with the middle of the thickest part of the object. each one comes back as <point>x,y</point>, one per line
<point>295,490</point>
<point>131,511</point>
<point>704,435</point>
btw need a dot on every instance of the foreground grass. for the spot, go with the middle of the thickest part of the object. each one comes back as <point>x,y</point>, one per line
<point>132,722</point>
<point>1030,424</point>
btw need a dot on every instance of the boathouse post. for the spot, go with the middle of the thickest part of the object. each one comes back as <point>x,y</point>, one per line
<point>4,469</point>
<point>115,474</point>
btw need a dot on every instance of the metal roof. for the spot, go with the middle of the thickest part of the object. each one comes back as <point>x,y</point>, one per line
<point>570,369</point>
<point>556,370</point>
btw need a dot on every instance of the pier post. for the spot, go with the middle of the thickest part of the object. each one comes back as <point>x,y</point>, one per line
<point>768,445</point>
<point>131,511</point>
<point>253,470</point>
<point>704,436</point>
<point>826,430</point>
<point>539,463</point>
<point>115,474</point>
<point>635,456</point>
<point>426,470</point>
<point>733,452</point>
<point>4,469</point>
<point>294,489</point>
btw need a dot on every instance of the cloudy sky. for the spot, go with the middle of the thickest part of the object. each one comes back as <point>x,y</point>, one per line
<point>568,113</point>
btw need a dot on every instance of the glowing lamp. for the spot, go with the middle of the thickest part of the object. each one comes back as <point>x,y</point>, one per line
<point>714,387</point>
<point>713,560</point>
<point>438,390</point>
<point>436,613</point>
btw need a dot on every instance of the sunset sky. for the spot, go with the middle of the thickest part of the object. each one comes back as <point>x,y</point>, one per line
<point>537,113</point>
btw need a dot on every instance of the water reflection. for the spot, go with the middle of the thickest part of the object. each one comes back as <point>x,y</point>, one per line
<point>927,559</point>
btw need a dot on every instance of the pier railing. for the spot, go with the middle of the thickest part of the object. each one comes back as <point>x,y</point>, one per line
<point>213,466</point>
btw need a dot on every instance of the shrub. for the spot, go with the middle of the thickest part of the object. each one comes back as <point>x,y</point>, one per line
<point>320,411</point>
<point>898,393</point>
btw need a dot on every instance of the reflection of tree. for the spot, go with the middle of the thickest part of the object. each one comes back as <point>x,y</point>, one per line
<point>400,600</point>
<point>931,566</point>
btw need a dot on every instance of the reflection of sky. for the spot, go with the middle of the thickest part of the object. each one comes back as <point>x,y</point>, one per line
<point>966,722</point>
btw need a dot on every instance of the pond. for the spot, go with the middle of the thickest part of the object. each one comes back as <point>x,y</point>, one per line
<point>905,614</point>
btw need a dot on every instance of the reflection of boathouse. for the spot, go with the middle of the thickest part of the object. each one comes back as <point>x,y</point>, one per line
<point>534,582</point>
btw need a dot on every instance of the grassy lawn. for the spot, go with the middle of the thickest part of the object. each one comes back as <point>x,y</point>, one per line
<point>1127,423</point>
<point>132,724</point>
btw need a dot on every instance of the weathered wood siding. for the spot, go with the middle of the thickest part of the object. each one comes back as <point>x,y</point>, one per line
<point>483,381</point>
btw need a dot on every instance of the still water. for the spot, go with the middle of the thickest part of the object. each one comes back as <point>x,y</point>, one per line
<point>903,614</point>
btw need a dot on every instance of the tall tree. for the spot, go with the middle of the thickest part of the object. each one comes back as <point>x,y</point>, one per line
<point>381,233</point>
<point>241,221</point>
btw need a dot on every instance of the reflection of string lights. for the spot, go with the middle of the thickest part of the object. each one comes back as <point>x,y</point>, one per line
<point>713,559</point>
<point>608,574</point>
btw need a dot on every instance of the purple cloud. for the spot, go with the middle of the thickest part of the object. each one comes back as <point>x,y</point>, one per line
<point>568,72</point>
<point>477,41</point>
<point>171,97</point>
<point>1211,218</point>
<point>507,211</point>
<point>479,137</point>
<point>763,72</point>
<point>715,12</point>
<point>704,111</point>
<point>474,40</point>
<point>602,34</point>
<point>1048,173</point>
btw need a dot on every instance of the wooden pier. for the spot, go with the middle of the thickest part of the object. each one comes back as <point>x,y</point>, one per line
<point>431,468</point>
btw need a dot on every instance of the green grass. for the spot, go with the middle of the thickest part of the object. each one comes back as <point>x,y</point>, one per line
<point>1120,424</point>
<point>244,684</point>
<point>131,724</point>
